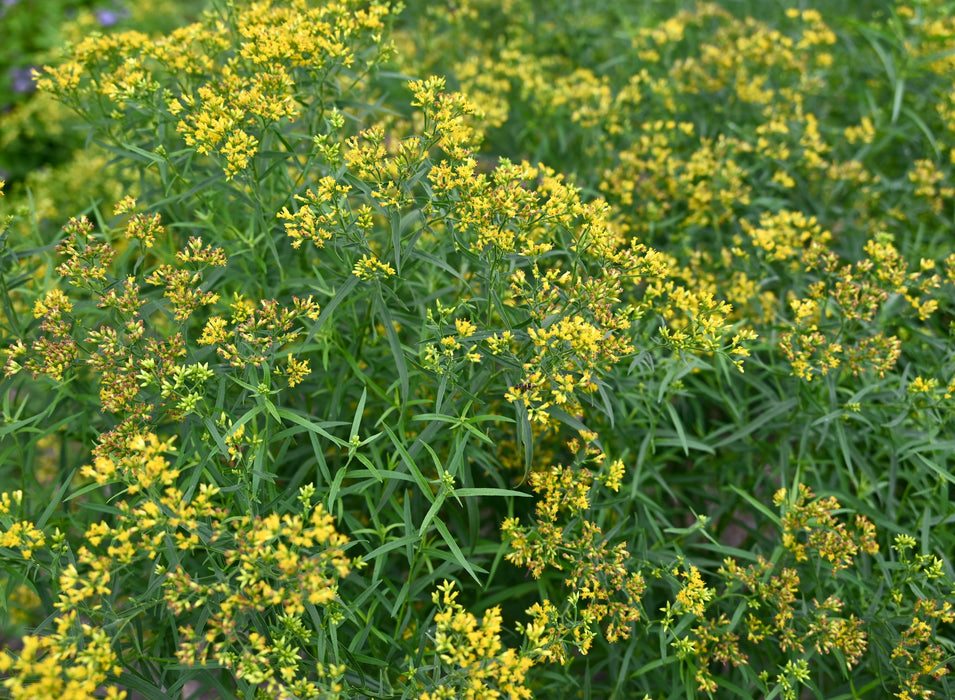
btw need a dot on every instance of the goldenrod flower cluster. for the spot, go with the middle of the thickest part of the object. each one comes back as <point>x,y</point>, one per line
<point>370,270</point>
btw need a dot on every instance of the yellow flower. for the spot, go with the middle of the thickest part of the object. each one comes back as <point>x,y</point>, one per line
<point>214,331</point>
<point>464,327</point>
<point>369,268</point>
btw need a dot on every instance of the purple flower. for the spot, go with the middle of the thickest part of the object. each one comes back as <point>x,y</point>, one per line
<point>21,79</point>
<point>4,4</point>
<point>107,17</point>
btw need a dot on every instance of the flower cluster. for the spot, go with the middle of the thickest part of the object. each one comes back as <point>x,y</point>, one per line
<point>479,664</point>
<point>561,539</point>
<point>582,231</point>
<point>233,83</point>
<point>257,334</point>
<point>275,564</point>
<point>834,324</point>
<point>282,566</point>
<point>781,605</point>
<point>825,536</point>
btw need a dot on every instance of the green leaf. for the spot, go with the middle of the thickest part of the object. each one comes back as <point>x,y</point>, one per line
<point>487,491</point>
<point>456,551</point>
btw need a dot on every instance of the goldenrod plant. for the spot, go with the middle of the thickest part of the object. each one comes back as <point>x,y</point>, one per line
<point>481,350</point>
